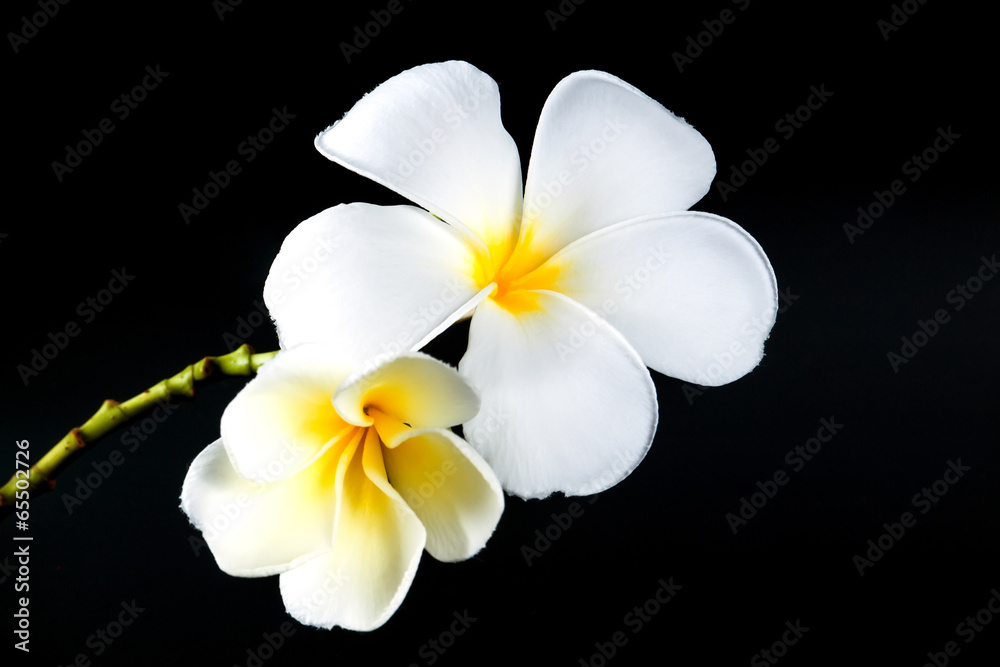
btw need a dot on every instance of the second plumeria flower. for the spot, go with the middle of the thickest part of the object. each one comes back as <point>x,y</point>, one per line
<point>338,480</point>
<point>595,273</point>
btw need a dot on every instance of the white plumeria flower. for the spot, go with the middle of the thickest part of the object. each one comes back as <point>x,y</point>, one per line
<point>596,273</point>
<point>339,482</point>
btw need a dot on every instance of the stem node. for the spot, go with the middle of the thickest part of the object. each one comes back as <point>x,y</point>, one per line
<point>242,362</point>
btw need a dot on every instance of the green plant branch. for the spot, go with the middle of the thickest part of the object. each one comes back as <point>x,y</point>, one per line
<point>41,477</point>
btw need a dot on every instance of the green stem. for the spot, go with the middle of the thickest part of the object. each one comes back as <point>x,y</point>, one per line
<point>41,478</point>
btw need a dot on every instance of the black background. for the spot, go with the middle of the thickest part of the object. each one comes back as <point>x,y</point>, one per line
<point>848,305</point>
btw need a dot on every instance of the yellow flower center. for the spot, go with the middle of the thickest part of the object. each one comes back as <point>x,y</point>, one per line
<point>369,444</point>
<point>387,426</point>
<point>517,270</point>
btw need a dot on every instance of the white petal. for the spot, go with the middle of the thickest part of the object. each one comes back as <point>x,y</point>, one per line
<point>361,581</point>
<point>567,405</point>
<point>604,152</point>
<point>284,419</point>
<point>373,281</point>
<point>414,388</point>
<point>692,292</point>
<point>254,529</point>
<point>450,487</point>
<point>433,134</point>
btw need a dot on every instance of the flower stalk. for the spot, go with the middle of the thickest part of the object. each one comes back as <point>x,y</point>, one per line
<point>41,477</point>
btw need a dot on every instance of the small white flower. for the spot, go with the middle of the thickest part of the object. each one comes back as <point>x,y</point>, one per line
<point>339,482</point>
<point>596,273</point>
